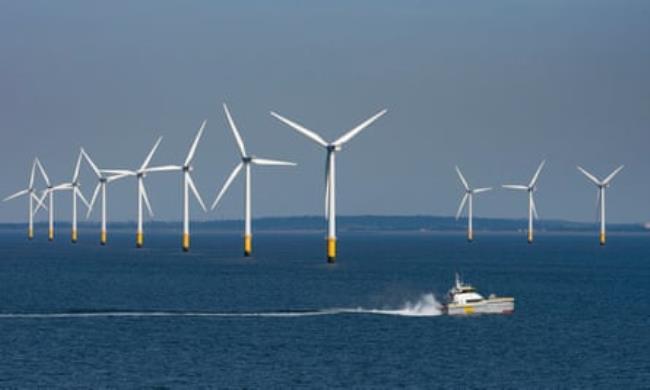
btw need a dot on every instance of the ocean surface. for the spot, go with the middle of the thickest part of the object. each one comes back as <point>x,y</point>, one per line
<point>95,317</point>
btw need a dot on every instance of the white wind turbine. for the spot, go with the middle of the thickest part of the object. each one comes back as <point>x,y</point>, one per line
<point>76,192</point>
<point>140,174</point>
<point>469,196</point>
<point>30,191</point>
<point>48,191</point>
<point>330,171</point>
<point>246,162</point>
<point>188,184</point>
<point>530,188</point>
<point>602,185</point>
<point>103,181</point>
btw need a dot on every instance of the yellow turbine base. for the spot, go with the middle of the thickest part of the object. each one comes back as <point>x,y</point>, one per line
<point>602,239</point>
<point>74,236</point>
<point>50,234</point>
<point>530,237</point>
<point>102,237</point>
<point>186,242</point>
<point>248,245</point>
<point>470,236</point>
<point>30,233</point>
<point>331,250</point>
<point>139,239</point>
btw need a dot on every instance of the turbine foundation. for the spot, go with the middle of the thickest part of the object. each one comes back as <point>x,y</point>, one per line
<point>30,234</point>
<point>74,236</point>
<point>331,250</point>
<point>102,237</point>
<point>248,245</point>
<point>186,242</point>
<point>470,236</point>
<point>602,239</point>
<point>50,234</point>
<point>139,240</point>
<point>530,237</point>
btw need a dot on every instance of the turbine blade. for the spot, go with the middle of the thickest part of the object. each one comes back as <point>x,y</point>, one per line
<point>17,194</point>
<point>462,178</point>
<point>591,177</point>
<point>39,202</point>
<point>350,134</point>
<point>462,205</point>
<point>264,161</point>
<point>611,175</point>
<point>143,192</point>
<point>114,178</point>
<point>31,175</point>
<point>163,168</point>
<point>91,163</point>
<point>190,181</point>
<point>227,184</point>
<point>76,168</point>
<point>190,155</point>
<point>533,181</point>
<point>301,129</point>
<point>63,186</point>
<point>532,204</point>
<point>42,170</point>
<point>150,155</point>
<point>92,201</point>
<point>235,132</point>
<point>119,172</point>
<point>479,190</point>
<point>517,187</point>
<point>81,196</point>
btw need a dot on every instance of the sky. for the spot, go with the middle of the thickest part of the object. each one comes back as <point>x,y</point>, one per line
<point>492,86</point>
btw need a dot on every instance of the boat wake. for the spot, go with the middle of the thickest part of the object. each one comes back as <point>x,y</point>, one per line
<point>426,306</point>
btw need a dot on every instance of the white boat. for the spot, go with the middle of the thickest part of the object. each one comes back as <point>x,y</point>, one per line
<point>464,300</point>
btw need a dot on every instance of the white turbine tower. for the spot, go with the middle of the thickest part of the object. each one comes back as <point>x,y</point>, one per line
<point>246,162</point>
<point>530,188</point>
<point>140,174</point>
<point>30,191</point>
<point>49,190</point>
<point>188,184</point>
<point>469,196</point>
<point>103,181</point>
<point>602,185</point>
<point>330,171</point>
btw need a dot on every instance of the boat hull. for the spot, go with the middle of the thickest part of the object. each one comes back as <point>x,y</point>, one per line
<point>488,306</point>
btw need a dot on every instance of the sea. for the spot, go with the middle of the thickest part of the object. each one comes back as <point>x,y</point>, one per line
<point>89,316</point>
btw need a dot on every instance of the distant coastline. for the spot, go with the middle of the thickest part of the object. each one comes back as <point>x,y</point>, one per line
<point>363,223</point>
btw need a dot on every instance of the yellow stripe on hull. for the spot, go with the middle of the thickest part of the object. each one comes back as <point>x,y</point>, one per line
<point>248,245</point>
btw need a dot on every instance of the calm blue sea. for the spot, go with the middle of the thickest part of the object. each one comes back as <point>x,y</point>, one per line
<point>89,316</point>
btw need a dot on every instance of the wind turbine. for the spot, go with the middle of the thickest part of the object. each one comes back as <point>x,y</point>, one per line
<point>469,195</point>
<point>330,171</point>
<point>530,188</point>
<point>602,185</point>
<point>188,184</point>
<point>246,162</point>
<point>30,191</point>
<point>140,174</point>
<point>103,180</point>
<point>48,190</point>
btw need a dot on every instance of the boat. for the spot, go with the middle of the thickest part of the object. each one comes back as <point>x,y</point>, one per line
<point>463,299</point>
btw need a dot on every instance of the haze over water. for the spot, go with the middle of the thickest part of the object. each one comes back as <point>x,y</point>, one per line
<point>94,316</point>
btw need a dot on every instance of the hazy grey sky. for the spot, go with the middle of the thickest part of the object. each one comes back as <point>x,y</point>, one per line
<point>493,86</point>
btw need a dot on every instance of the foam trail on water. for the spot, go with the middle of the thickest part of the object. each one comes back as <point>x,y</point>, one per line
<point>426,306</point>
